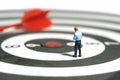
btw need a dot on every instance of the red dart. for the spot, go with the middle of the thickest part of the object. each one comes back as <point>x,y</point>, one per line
<point>32,20</point>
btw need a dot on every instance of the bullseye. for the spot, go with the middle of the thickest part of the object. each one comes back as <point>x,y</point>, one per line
<point>53,44</point>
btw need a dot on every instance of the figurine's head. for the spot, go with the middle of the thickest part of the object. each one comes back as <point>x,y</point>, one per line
<point>76,28</point>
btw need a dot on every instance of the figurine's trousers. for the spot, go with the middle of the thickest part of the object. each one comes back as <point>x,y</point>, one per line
<point>77,47</point>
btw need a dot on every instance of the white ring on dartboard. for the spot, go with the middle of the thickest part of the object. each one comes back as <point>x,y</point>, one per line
<point>68,71</point>
<point>31,54</point>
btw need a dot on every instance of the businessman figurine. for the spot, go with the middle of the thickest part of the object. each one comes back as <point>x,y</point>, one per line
<point>77,38</point>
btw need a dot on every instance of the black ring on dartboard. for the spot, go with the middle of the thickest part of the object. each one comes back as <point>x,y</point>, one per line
<point>106,56</point>
<point>50,49</point>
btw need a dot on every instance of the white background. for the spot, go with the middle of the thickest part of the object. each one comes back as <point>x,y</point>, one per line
<point>107,6</point>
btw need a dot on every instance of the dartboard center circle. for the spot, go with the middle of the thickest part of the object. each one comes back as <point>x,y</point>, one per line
<point>53,44</point>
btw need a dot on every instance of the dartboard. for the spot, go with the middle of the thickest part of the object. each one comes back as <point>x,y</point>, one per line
<point>47,55</point>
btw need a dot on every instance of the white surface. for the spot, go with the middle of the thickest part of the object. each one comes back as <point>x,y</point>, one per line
<point>109,6</point>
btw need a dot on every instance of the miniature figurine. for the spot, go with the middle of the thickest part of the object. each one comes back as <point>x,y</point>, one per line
<point>77,37</point>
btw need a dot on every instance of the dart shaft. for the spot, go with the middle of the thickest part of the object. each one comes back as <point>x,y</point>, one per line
<point>9,26</point>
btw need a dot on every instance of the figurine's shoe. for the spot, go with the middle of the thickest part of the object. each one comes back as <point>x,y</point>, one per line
<point>79,55</point>
<point>74,56</point>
